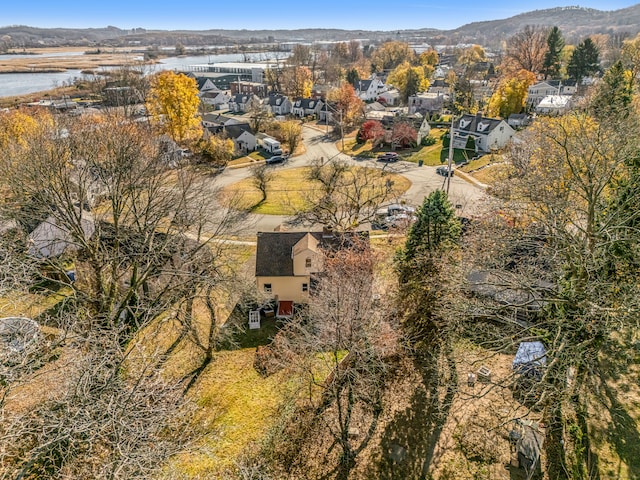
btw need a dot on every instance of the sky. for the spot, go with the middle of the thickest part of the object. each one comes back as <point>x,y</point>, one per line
<point>273,14</point>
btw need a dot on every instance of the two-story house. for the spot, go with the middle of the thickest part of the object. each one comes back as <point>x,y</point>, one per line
<point>243,102</point>
<point>488,133</point>
<point>287,263</point>
<point>370,89</point>
<point>303,107</point>
<point>538,91</point>
<point>278,104</point>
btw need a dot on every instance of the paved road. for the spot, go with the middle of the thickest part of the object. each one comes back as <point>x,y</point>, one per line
<point>466,196</point>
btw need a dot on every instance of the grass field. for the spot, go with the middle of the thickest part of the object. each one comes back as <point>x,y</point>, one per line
<point>289,192</point>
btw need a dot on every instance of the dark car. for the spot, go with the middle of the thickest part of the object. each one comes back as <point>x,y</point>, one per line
<point>275,160</point>
<point>388,157</point>
<point>444,171</point>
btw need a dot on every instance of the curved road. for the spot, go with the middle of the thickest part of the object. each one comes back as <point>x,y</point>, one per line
<point>465,196</point>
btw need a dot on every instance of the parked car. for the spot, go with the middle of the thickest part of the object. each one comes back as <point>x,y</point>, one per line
<point>388,157</point>
<point>444,171</point>
<point>275,160</point>
<point>400,220</point>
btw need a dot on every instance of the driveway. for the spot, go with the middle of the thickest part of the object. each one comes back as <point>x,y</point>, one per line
<point>467,197</point>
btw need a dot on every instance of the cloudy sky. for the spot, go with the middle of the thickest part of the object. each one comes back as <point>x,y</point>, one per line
<point>278,14</point>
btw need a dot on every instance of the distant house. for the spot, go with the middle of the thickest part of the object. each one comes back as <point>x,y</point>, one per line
<point>426,103</point>
<point>488,133</point>
<point>243,102</point>
<point>243,138</point>
<point>390,97</point>
<point>287,263</point>
<point>307,106</point>
<point>369,90</point>
<point>537,92</point>
<point>206,84</point>
<point>215,122</point>
<point>216,98</point>
<point>248,88</point>
<point>518,120</point>
<point>553,105</point>
<point>439,86</point>
<point>278,104</point>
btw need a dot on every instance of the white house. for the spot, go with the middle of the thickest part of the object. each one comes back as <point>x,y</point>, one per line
<point>216,121</point>
<point>439,86</point>
<point>390,97</point>
<point>540,90</point>
<point>242,102</point>
<point>243,138</point>
<point>370,89</point>
<point>218,99</point>
<point>553,105</point>
<point>488,133</point>
<point>278,104</point>
<point>307,106</point>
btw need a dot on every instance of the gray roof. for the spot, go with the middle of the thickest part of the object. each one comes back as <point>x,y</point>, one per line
<point>276,100</point>
<point>362,85</point>
<point>273,252</point>
<point>219,119</point>
<point>234,131</point>
<point>50,240</point>
<point>306,103</point>
<point>471,123</point>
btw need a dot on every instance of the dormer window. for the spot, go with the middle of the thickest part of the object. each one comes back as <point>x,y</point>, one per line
<point>482,126</point>
<point>311,104</point>
<point>464,123</point>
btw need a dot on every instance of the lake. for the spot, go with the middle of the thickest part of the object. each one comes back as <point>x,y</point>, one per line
<point>12,84</point>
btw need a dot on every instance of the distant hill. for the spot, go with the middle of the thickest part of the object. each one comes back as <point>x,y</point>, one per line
<point>575,23</point>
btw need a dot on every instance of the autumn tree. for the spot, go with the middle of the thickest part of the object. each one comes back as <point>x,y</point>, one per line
<point>585,60</point>
<point>468,57</point>
<point>631,56</point>
<point>301,56</point>
<point>429,58</point>
<point>297,82</point>
<point>555,44</point>
<point>403,135</point>
<point>391,54</point>
<point>526,49</point>
<point>352,76</point>
<point>173,103</point>
<point>511,94</point>
<point>216,150</point>
<point>291,134</point>
<point>347,105</point>
<point>372,130</point>
<point>408,80</point>
<point>564,185</point>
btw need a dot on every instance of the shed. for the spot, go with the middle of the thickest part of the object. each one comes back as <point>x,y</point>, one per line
<point>530,358</point>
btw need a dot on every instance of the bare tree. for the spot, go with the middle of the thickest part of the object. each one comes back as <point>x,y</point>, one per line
<point>345,197</point>
<point>527,48</point>
<point>345,401</point>
<point>261,176</point>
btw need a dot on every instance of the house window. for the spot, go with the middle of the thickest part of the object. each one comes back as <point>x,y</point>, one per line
<point>307,263</point>
<point>267,288</point>
<point>305,287</point>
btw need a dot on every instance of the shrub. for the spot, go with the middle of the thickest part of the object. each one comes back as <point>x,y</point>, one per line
<point>428,140</point>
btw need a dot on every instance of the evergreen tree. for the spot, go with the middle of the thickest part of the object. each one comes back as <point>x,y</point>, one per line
<point>614,94</point>
<point>353,76</point>
<point>555,44</point>
<point>585,60</point>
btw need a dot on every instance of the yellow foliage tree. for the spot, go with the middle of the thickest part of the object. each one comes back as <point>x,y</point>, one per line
<point>291,134</point>
<point>216,150</point>
<point>429,58</point>
<point>298,82</point>
<point>173,102</point>
<point>16,126</point>
<point>391,54</point>
<point>511,94</point>
<point>348,106</point>
<point>408,80</point>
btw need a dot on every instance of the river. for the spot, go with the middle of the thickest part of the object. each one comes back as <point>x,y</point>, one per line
<point>12,84</point>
